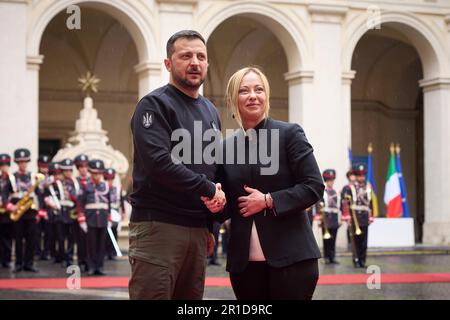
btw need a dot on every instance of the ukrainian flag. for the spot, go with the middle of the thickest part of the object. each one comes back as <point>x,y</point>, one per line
<point>371,180</point>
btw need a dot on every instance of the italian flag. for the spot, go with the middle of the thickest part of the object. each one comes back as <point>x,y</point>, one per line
<point>392,193</point>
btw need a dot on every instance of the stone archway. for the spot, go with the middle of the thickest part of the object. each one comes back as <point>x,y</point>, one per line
<point>137,45</point>
<point>423,48</point>
<point>290,34</point>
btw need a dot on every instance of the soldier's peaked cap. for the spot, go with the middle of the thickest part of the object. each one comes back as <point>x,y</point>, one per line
<point>22,154</point>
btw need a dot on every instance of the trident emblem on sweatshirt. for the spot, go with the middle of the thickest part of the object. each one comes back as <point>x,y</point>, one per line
<point>147,120</point>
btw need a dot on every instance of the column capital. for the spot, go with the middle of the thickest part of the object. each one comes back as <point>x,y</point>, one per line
<point>348,76</point>
<point>148,66</point>
<point>300,76</point>
<point>34,62</point>
<point>327,13</point>
<point>435,84</point>
<point>447,21</point>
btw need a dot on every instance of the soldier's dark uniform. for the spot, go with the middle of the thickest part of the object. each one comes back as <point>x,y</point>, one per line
<point>331,214</point>
<point>42,248</point>
<point>25,228</point>
<point>81,160</point>
<point>361,203</point>
<point>6,226</point>
<point>95,205</point>
<point>52,196</point>
<point>116,206</point>
<point>346,190</point>
<point>68,217</point>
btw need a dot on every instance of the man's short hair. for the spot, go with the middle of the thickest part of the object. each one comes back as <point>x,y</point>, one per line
<point>187,34</point>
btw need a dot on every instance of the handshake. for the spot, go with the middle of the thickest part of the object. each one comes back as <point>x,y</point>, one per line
<point>217,203</point>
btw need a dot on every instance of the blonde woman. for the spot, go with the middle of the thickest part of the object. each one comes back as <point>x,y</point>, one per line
<point>272,253</point>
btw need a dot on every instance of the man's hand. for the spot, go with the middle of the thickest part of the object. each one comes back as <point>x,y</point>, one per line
<point>253,203</point>
<point>210,245</point>
<point>217,203</point>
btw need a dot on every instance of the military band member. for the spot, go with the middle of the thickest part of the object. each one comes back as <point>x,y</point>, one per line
<point>25,227</point>
<point>360,196</point>
<point>351,178</point>
<point>95,216</point>
<point>331,214</point>
<point>68,210</point>
<point>81,162</point>
<point>7,180</point>
<point>42,248</point>
<point>117,208</point>
<point>52,200</point>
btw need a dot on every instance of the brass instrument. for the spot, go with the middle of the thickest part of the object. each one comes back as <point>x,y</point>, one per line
<point>74,214</point>
<point>26,202</point>
<point>327,234</point>
<point>351,233</point>
<point>355,221</point>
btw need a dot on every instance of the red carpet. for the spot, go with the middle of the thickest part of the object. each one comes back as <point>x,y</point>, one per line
<point>122,282</point>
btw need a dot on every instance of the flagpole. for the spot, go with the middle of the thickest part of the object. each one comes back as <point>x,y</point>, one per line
<point>402,182</point>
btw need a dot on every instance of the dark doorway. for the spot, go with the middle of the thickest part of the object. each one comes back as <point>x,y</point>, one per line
<point>49,146</point>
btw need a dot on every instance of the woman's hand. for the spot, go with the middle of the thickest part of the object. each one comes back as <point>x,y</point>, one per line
<point>217,203</point>
<point>253,203</point>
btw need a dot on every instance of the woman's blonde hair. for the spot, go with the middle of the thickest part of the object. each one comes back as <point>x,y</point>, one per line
<point>232,94</point>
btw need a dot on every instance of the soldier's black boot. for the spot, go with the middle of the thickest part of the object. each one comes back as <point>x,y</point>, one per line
<point>31,269</point>
<point>17,268</point>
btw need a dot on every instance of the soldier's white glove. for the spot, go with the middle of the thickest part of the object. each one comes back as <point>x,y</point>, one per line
<point>110,224</point>
<point>83,226</point>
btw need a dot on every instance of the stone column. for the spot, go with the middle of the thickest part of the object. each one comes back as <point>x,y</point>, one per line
<point>436,94</point>
<point>301,98</point>
<point>174,15</point>
<point>18,123</point>
<point>329,118</point>
<point>149,75</point>
<point>32,103</point>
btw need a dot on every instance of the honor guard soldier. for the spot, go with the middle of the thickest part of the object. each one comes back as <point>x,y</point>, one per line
<point>95,216</point>
<point>117,208</point>
<point>68,209</point>
<point>358,211</point>
<point>330,216</point>
<point>52,203</point>
<point>7,180</point>
<point>42,249</point>
<point>81,162</point>
<point>351,178</point>
<point>24,207</point>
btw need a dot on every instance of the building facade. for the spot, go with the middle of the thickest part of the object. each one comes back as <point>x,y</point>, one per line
<point>350,72</point>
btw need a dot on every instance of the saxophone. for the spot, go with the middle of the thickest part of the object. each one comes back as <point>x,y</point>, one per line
<point>25,203</point>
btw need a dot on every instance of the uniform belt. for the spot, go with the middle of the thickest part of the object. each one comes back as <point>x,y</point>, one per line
<point>97,206</point>
<point>115,206</point>
<point>2,210</point>
<point>360,208</point>
<point>331,210</point>
<point>67,203</point>
<point>19,195</point>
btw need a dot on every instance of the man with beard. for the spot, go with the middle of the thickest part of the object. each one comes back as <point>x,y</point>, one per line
<point>168,226</point>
